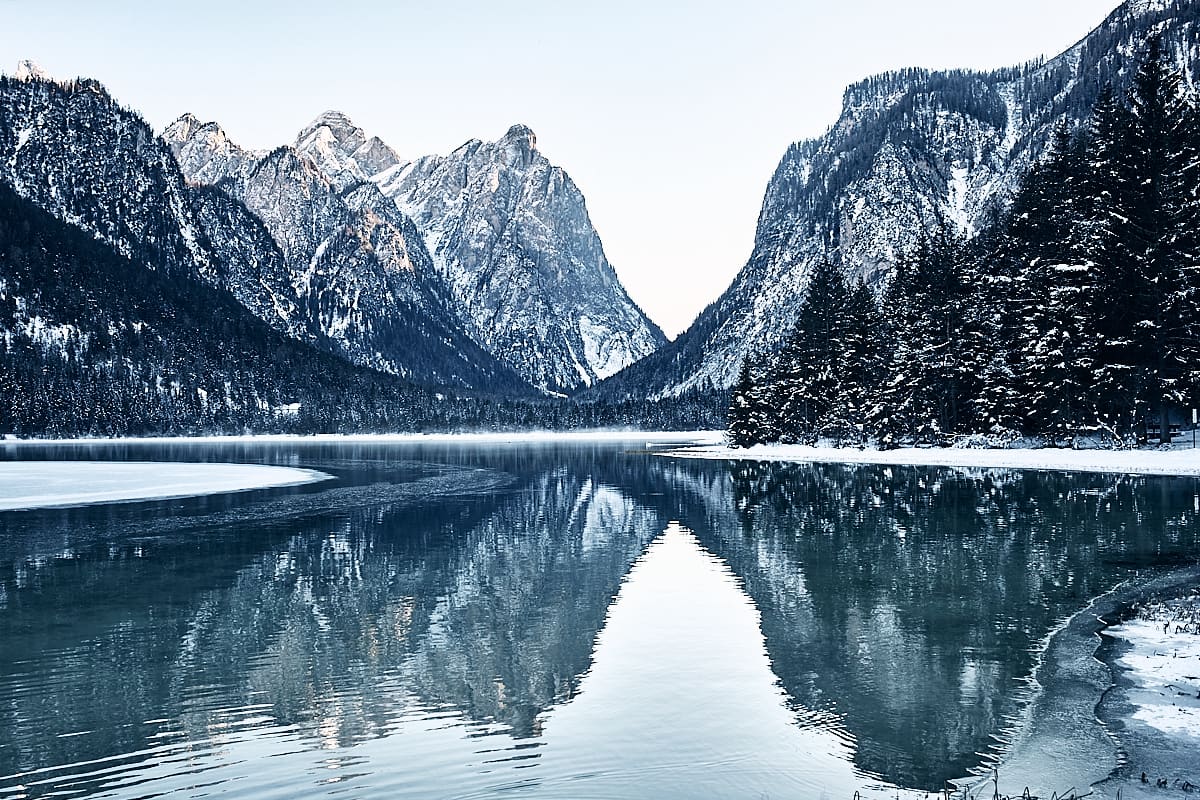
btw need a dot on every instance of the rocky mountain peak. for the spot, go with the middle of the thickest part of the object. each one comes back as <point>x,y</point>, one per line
<point>334,127</point>
<point>499,219</point>
<point>204,151</point>
<point>182,129</point>
<point>30,70</point>
<point>343,151</point>
<point>519,145</point>
<point>523,135</point>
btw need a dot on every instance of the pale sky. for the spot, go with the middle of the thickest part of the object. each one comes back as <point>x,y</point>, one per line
<point>669,116</point>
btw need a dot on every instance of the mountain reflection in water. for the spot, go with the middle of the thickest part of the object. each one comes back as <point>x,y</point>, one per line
<point>798,627</point>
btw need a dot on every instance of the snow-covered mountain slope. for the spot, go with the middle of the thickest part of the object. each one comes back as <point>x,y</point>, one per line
<point>525,270</point>
<point>75,153</point>
<point>911,151</point>
<point>355,261</point>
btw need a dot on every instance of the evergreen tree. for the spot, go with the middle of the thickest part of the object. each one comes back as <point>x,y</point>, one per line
<point>863,359</point>
<point>808,369</point>
<point>1055,365</point>
<point>740,420</point>
<point>939,352</point>
<point>1143,243</point>
<point>1078,313</point>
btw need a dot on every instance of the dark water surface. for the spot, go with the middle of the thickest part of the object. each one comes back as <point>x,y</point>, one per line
<point>548,620</point>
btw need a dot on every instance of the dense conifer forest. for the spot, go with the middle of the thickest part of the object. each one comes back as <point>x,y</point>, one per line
<point>1076,316</point>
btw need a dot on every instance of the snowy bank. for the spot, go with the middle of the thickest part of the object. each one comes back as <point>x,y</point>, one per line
<point>1155,705</point>
<point>1177,461</point>
<point>500,437</point>
<point>1162,663</point>
<point>43,484</point>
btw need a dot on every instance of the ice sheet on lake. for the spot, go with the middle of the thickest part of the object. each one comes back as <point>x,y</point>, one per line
<point>42,484</point>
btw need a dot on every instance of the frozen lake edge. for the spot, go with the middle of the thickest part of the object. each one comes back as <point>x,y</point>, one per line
<point>26,485</point>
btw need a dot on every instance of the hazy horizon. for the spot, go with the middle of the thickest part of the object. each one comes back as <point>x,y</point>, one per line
<point>670,119</point>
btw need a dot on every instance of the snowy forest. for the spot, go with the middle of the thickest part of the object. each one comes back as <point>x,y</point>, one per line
<point>1074,316</point>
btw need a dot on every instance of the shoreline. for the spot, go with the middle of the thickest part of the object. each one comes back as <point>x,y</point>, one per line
<point>1079,729</point>
<point>1179,462</point>
<point>516,437</point>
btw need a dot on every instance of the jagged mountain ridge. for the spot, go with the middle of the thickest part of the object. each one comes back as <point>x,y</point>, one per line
<point>74,152</point>
<point>510,234</point>
<point>519,266</point>
<point>357,265</point>
<point>343,151</point>
<point>912,150</point>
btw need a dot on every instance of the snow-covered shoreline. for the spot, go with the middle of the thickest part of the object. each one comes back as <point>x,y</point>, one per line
<point>1155,702</point>
<point>664,437</point>
<point>1162,664</point>
<point>53,484</point>
<point>1177,461</point>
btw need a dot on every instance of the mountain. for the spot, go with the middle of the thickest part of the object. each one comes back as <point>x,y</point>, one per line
<point>510,235</point>
<point>70,149</point>
<point>93,342</point>
<point>492,242</point>
<point>357,265</point>
<point>912,151</point>
<point>343,151</point>
<point>503,239</point>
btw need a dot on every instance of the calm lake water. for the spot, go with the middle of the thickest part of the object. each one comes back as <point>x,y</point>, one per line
<point>553,621</point>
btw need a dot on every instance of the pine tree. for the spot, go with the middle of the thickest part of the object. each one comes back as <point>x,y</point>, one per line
<point>808,376</point>
<point>740,422</point>
<point>862,356</point>
<point>1056,351</point>
<point>1143,243</point>
<point>939,350</point>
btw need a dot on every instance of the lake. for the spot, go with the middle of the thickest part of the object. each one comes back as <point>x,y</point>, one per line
<point>550,620</point>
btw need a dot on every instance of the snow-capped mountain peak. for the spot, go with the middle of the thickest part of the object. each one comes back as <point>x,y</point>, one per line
<point>204,151</point>
<point>343,151</point>
<point>521,136</point>
<point>493,237</point>
<point>30,70</point>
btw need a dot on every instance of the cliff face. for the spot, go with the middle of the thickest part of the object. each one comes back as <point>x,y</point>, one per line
<point>526,273</point>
